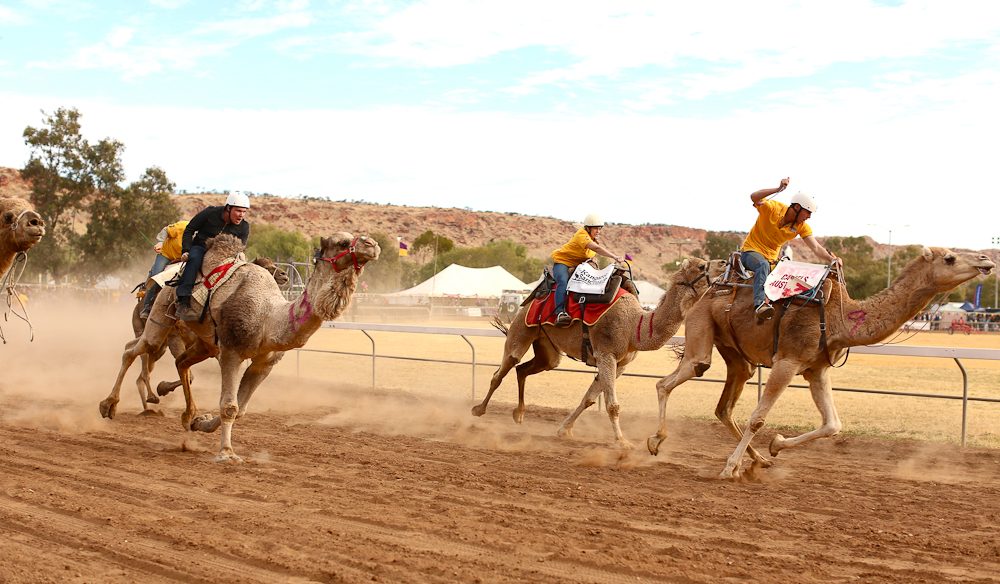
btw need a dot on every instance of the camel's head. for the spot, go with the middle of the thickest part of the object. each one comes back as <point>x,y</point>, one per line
<point>716,268</point>
<point>23,225</point>
<point>342,250</point>
<point>947,269</point>
<point>280,275</point>
<point>695,273</point>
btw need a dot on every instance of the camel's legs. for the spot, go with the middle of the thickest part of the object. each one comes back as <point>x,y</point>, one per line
<point>820,387</point>
<point>781,375</point>
<point>513,349</point>
<point>229,361</point>
<point>546,359</point>
<point>194,354</point>
<point>697,359</point>
<point>260,368</point>
<point>604,381</point>
<point>738,371</point>
<point>150,339</point>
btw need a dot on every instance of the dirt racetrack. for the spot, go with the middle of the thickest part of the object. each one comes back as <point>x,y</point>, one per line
<point>343,484</point>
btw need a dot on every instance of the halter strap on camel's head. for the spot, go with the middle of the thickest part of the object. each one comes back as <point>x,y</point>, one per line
<point>342,250</point>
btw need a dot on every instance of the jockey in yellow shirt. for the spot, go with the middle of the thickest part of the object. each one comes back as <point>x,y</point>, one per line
<point>777,224</point>
<point>580,248</point>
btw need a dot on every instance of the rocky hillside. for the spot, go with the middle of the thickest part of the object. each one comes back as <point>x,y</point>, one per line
<point>650,245</point>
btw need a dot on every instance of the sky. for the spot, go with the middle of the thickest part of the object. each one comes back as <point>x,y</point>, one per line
<point>644,112</point>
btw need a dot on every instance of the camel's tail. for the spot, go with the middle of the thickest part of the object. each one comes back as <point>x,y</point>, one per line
<point>499,325</point>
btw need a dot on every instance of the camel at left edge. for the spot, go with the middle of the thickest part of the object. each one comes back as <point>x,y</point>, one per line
<point>616,338</point>
<point>20,229</point>
<point>248,318</point>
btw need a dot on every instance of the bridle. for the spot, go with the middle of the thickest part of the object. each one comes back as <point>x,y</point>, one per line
<point>351,250</point>
<point>703,274</point>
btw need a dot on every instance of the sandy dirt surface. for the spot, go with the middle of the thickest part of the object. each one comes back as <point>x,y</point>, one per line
<point>345,484</point>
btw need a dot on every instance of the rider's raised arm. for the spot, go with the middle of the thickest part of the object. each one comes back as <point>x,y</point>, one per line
<point>758,196</point>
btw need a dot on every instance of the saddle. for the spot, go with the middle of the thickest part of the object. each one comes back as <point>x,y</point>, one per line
<point>620,279</point>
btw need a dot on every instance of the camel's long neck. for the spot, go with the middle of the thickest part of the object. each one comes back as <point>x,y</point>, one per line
<point>655,327</point>
<point>863,322</point>
<point>325,298</point>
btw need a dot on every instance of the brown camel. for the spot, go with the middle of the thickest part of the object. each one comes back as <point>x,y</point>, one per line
<point>729,324</point>
<point>249,318</point>
<point>20,229</point>
<point>176,343</point>
<point>622,331</point>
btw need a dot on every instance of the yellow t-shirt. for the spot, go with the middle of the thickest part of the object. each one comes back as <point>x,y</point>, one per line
<point>766,237</point>
<point>575,251</point>
<point>175,239</point>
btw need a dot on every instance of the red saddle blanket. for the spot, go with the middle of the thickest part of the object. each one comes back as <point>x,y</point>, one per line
<point>543,310</point>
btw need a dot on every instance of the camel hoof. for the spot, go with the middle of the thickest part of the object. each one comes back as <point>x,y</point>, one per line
<point>518,414</point>
<point>152,399</point>
<point>478,410</point>
<point>776,445</point>
<point>228,457</point>
<point>206,423</point>
<point>151,413</point>
<point>564,432</point>
<point>653,444</point>
<point>108,408</point>
<point>729,475</point>
<point>164,387</point>
<point>626,445</point>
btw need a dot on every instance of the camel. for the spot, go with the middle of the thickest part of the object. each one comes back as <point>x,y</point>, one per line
<point>20,229</point>
<point>249,318</point>
<point>176,343</point>
<point>729,323</point>
<point>616,338</point>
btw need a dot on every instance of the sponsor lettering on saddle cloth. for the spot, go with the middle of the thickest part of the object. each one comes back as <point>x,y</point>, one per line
<point>790,278</point>
<point>585,280</point>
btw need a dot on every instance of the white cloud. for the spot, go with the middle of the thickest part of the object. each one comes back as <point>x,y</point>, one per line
<point>9,16</point>
<point>168,4</point>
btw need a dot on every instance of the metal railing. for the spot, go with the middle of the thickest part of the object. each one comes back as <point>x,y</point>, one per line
<point>897,350</point>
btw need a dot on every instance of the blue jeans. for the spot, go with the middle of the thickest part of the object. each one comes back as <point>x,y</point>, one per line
<point>561,273</point>
<point>761,268</point>
<point>195,256</point>
<point>159,264</point>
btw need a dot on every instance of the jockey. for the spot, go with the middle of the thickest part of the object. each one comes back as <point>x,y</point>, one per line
<point>580,248</point>
<point>776,225</point>
<point>168,249</point>
<point>208,223</point>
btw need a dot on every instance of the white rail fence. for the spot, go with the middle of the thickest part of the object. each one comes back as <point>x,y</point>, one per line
<point>956,354</point>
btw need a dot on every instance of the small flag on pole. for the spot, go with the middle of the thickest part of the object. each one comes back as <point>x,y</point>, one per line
<point>404,250</point>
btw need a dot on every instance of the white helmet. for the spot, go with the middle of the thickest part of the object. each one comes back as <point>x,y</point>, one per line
<point>238,199</point>
<point>805,201</point>
<point>593,220</point>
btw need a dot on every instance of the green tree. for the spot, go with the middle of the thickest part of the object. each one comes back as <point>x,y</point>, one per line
<point>278,244</point>
<point>123,221</point>
<point>430,241</point>
<point>863,274</point>
<point>90,218</point>
<point>718,246</point>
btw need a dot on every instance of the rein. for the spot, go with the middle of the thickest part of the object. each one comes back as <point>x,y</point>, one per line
<point>8,283</point>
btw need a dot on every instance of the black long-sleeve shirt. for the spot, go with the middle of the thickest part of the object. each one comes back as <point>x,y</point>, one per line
<point>209,223</point>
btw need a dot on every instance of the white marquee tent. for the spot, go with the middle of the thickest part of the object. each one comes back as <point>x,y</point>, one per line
<point>649,293</point>
<point>456,280</point>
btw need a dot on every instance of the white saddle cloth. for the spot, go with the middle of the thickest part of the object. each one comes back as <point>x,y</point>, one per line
<point>789,278</point>
<point>587,280</point>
